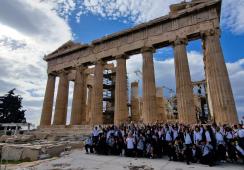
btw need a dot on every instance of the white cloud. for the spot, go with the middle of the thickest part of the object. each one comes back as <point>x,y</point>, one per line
<point>133,10</point>
<point>138,11</point>
<point>232,15</point>
<point>28,30</point>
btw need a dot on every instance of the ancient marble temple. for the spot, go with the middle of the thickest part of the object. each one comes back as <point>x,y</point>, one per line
<point>187,21</point>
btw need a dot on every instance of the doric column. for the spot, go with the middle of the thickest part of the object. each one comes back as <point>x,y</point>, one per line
<point>134,101</point>
<point>160,104</point>
<point>121,110</point>
<point>88,112</point>
<point>222,100</point>
<point>149,114</point>
<point>184,89</point>
<point>79,97</point>
<point>97,95</point>
<point>47,107</point>
<point>62,100</point>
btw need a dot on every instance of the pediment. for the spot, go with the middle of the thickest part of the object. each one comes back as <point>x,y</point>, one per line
<point>66,46</point>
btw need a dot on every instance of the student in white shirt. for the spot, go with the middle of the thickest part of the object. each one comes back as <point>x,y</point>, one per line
<point>197,136</point>
<point>188,151</point>
<point>130,145</point>
<point>89,145</point>
<point>168,135</point>
<point>207,155</point>
<point>240,136</point>
<point>95,134</point>
<point>220,148</point>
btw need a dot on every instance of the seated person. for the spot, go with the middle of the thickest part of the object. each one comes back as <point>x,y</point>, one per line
<point>196,153</point>
<point>89,145</point>
<point>207,154</point>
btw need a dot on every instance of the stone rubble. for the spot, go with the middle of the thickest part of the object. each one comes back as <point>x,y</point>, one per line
<point>30,148</point>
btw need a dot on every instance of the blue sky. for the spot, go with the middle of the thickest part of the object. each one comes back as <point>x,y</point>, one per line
<point>29,29</point>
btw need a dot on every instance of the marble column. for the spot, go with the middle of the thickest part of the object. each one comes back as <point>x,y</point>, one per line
<point>160,104</point>
<point>88,113</point>
<point>134,101</point>
<point>79,98</point>
<point>222,100</point>
<point>47,107</point>
<point>121,109</point>
<point>184,88</point>
<point>62,100</point>
<point>149,111</point>
<point>97,95</point>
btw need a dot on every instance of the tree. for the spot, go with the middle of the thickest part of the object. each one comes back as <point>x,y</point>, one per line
<point>11,108</point>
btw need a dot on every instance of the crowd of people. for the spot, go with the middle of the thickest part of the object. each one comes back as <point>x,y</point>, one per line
<point>206,144</point>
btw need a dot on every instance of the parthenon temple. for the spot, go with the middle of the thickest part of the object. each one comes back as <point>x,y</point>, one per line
<point>97,81</point>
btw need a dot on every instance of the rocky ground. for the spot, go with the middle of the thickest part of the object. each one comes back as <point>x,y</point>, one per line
<point>78,160</point>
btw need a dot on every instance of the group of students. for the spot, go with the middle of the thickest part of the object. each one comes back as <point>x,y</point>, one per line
<point>206,144</point>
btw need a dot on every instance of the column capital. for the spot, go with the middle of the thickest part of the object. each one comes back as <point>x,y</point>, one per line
<point>210,32</point>
<point>121,56</point>
<point>180,41</point>
<point>54,74</point>
<point>63,71</point>
<point>80,68</point>
<point>148,49</point>
<point>100,61</point>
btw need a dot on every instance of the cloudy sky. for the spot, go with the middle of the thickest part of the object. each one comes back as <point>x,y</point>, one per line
<point>29,29</point>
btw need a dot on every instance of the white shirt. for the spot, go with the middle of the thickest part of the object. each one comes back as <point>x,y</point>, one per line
<point>229,135</point>
<point>208,138</point>
<point>194,152</point>
<point>88,141</point>
<point>130,143</point>
<point>187,138</point>
<point>95,132</point>
<point>109,133</point>
<point>168,136</point>
<point>197,137</point>
<point>219,138</point>
<point>175,134</point>
<point>206,149</point>
<point>240,133</point>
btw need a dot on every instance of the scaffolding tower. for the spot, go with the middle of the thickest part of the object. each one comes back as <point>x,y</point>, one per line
<point>108,96</point>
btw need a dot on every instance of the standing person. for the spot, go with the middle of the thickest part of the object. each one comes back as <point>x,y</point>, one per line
<point>240,136</point>
<point>220,146</point>
<point>130,145</point>
<point>140,145</point>
<point>168,139</point>
<point>210,137</point>
<point>197,136</point>
<point>95,134</point>
<point>175,132</point>
<point>229,136</point>
<point>117,148</point>
<point>188,143</point>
